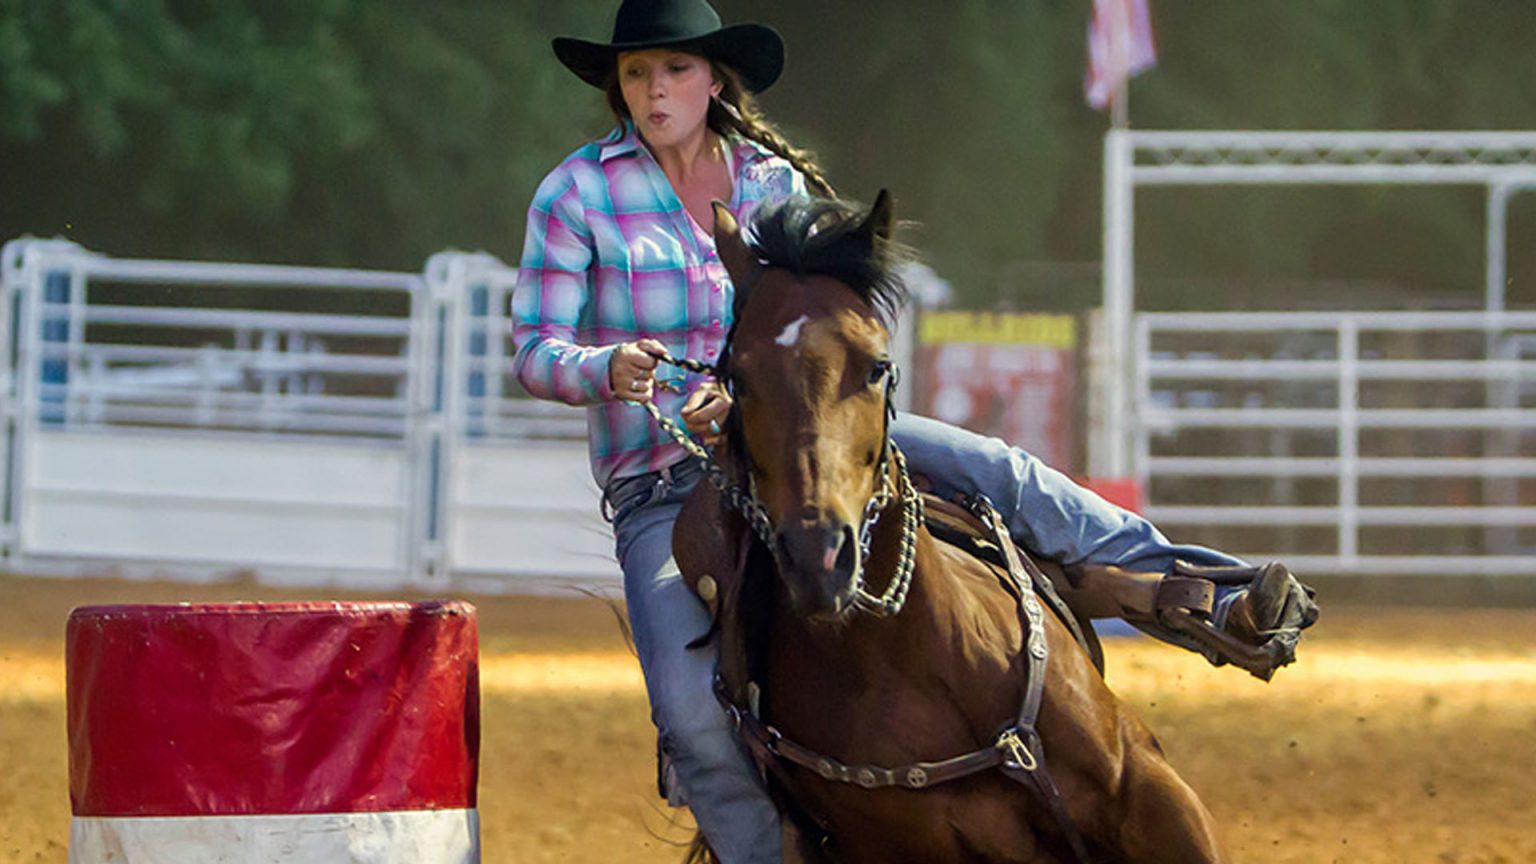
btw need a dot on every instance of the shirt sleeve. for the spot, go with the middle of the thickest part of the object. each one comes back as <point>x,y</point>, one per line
<point>553,289</point>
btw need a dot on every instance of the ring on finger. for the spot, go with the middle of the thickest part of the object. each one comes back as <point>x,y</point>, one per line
<point>637,385</point>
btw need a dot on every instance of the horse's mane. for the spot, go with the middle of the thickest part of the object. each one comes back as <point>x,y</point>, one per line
<point>821,237</point>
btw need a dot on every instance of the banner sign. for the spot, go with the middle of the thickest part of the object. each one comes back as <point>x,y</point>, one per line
<point>1010,375</point>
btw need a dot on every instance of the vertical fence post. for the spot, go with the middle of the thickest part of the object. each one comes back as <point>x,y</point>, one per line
<point>28,371</point>
<point>1349,441</point>
<point>1141,452</point>
<point>1108,454</point>
<point>10,298</point>
<point>35,272</point>
<point>441,420</point>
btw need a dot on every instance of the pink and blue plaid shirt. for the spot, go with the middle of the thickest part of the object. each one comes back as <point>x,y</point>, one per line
<point>612,256</point>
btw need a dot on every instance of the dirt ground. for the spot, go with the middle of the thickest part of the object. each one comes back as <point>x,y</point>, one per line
<point>1403,735</point>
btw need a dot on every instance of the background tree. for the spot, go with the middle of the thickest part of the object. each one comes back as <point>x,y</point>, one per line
<point>372,133</point>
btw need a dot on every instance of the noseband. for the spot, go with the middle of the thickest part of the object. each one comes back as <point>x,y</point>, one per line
<point>746,501</point>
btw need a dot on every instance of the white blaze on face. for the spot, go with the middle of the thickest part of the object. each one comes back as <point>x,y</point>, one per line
<point>791,334</point>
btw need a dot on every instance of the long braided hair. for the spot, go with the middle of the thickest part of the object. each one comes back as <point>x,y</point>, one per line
<point>736,110</point>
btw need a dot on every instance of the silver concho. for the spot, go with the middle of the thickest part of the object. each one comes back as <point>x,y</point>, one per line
<point>917,778</point>
<point>866,778</point>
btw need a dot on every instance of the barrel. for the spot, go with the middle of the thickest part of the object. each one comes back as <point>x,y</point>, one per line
<point>274,732</point>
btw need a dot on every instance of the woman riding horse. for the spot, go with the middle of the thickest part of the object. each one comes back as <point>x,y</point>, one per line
<point>907,699</point>
<point>618,268</point>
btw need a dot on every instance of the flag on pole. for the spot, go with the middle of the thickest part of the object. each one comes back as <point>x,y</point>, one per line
<point>1119,46</point>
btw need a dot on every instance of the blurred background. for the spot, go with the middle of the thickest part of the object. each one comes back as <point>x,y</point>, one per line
<point>254,344</point>
<point>367,138</point>
<point>373,134</point>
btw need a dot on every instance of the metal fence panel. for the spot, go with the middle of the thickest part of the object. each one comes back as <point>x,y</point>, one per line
<point>519,507</point>
<point>199,419</point>
<point>1365,442</point>
<point>192,418</point>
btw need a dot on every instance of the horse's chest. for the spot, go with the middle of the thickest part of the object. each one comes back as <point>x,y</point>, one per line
<point>924,698</point>
<point>981,818</point>
<point>973,820</point>
<point>918,699</point>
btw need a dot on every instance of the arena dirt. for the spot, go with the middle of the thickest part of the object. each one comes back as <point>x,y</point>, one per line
<point>1404,735</point>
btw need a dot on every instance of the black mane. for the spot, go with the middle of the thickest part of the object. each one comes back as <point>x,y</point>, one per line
<point>821,237</point>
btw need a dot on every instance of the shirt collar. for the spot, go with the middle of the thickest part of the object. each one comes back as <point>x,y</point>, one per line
<point>624,140</point>
<point>621,141</point>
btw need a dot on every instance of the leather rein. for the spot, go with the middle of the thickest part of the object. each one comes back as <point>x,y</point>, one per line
<point>1017,751</point>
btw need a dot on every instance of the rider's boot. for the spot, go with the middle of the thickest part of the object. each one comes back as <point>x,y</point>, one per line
<point>1271,613</point>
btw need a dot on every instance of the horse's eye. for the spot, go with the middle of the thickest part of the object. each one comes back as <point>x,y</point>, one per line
<point>878,371</point>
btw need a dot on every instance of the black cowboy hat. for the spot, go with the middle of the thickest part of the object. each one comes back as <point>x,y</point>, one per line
<point>756,52</point>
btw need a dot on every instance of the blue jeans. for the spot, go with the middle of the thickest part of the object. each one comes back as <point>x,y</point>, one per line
<point>718,778</point>
<point>1045,511</point>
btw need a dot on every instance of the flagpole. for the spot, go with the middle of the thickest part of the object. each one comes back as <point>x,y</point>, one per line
<point>1119,106</point>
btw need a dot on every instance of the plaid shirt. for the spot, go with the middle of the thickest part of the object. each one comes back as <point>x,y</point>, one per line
<point>612,256</point>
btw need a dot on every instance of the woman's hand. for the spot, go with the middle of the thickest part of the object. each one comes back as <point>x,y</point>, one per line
<point>704,412</point>
<point>632,368</point>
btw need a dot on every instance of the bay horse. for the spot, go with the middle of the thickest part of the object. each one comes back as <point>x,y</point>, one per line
<point>862,659</point>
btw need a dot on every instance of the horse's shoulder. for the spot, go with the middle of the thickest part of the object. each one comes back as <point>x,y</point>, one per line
<point>706,542</point>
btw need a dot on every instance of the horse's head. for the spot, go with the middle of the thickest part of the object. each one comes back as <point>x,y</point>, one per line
<point>809,366</point>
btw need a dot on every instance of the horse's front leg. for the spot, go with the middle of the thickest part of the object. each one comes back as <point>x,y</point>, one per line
<point>1164,821</point>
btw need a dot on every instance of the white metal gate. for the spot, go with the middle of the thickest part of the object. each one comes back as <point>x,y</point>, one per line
<point>195,419</point>
<point>1502,163</point>
<point>1367,442</point>
<point>517,496</point>
<point>202,420</point>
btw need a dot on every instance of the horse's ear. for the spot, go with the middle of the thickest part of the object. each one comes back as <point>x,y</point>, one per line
<point>738,259</point>
<point>881,218</point>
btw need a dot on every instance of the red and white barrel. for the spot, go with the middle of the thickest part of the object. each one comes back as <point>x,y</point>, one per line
<point>279,732</point>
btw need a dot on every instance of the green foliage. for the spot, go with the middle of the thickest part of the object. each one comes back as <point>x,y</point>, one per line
<point>375,132</point>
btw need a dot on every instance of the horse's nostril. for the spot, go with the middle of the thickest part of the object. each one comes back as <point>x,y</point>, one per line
<point>817,548</point>
<point>847,561</point>
<point>832,546</point>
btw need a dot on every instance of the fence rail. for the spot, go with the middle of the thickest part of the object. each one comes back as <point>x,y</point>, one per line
<point>1366,442</point>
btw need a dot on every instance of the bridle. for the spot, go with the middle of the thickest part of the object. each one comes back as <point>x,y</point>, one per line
<point>745,500</point>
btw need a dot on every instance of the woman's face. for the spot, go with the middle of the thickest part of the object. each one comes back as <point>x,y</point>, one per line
<point>667,93</point>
